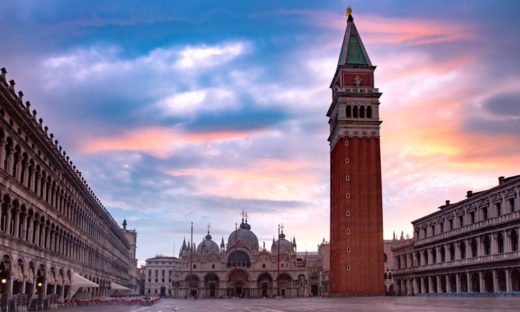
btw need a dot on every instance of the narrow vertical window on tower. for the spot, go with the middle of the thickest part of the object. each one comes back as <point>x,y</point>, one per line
<point>356,97</point>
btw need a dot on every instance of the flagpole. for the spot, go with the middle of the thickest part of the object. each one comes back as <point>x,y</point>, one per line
<point>191,258</point>
<point>278,258</point>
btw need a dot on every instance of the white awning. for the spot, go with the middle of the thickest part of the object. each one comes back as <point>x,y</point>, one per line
<point>116,286</point>
<point>77,282</point>
<point>80,281</point>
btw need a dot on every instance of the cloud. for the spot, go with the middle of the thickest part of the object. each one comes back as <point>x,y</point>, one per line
<point>504,105</point>
<point>206,56</point>
<point>156,141</point>
<point>377,29</point>
<point>272,179</point>
<point>99,61</point>
<point>196,101</point>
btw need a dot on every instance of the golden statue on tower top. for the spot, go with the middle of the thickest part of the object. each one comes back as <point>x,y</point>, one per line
<point>348,11</point>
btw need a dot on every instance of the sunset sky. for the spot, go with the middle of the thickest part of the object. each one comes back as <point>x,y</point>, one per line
<point>179,111</point>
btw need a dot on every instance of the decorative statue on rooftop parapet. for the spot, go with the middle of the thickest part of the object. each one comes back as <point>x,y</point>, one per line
<point>124,224</point>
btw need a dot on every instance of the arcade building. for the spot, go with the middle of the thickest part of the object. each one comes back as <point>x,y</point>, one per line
<point>57,240</point>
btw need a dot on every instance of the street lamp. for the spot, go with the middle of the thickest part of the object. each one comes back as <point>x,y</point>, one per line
<point>3,281</point>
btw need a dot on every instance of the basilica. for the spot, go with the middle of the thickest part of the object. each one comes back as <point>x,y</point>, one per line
<point>241,268</point>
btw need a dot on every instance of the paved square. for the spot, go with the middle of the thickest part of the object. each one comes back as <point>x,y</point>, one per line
<point>354,304</point>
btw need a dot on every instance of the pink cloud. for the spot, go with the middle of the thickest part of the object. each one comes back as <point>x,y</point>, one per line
<point>394,30</point>
<point>271,179</point>
<point>158,141</point>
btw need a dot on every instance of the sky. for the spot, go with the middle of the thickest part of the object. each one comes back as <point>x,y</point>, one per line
<point>192,111</point>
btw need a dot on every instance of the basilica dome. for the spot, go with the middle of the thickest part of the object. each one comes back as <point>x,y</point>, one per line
<point>207,245</point>
<point>243,237</point>
<point>285,245</point>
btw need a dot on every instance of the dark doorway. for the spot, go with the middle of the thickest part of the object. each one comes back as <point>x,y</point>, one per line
<point>475,282</point>
<point>463,283</point>
<point>265,286</point>
<point>515,280</point>
<point>314,290</point>
<point>212,290</point>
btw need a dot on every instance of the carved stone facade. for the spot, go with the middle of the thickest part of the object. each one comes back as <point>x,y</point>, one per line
<point>244,269</point>
<point>55,235</point>
<point>469,246</point>
<point>158,275</point>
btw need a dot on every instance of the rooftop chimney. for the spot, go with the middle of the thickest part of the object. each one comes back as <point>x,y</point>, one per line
<point>469,194</point>
<point>501,180</point>
<point>447,203</point>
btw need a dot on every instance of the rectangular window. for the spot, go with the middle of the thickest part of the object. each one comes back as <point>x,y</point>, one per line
<point>461,221</point>
<point>347,195</point>
<point>498,207</point>
<point>450,225</point>
<point>484,214</point>
<point>512,204</point>
<point>442,227</point>
<point>472,217</point>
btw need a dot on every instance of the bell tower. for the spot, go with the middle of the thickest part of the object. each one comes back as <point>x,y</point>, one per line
<point>356,209</point>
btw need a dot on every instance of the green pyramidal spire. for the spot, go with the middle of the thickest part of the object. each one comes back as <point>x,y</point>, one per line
<point>352,50</point>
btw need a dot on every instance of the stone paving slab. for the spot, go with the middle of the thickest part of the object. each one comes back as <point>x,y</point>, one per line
<point>353,304</point>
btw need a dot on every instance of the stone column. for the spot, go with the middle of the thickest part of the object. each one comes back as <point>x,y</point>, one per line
<point>423,285</point>
<point>507,241</point>
<point>495,281</point>
<point>457,251</point>
<point>2,143</point>
<point>430,284</point>
<point>494,244</point>
<point>482,284</point>
<point>508,280</point>
<point>62,292</point>
<point>8,220</point>
<point>468,282</point>
<point>438,288</point>
<point>457,282</point>
<point>16,222</point>
<point>480,246</point>
<point>517,199</point>
<point>468,248</point>
<point>517,235</point>
<point>10,284</point>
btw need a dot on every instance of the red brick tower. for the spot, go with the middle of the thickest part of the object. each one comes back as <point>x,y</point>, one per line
<point>356,209</point>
